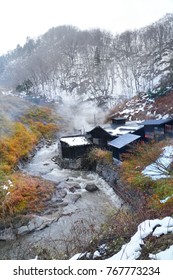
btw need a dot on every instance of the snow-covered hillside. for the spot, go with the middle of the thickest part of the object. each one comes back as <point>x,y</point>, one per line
<point>92,65</point>
<point>142,107</point>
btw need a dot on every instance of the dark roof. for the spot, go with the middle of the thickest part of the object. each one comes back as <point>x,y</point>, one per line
<point>156,122</point>
<point>99,127</point>
<point>123,140</point>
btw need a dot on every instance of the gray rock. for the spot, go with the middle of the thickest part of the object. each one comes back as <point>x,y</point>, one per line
<point>74,186</point>
<point>61,192</point>
<point>62,185</point>
<point>56,199</point>
<point>36,223</point>
<point>72,189</point>
<point>60,204</point>
<point>91,187</point>
<point>59,195</point>
<point>7,234</point>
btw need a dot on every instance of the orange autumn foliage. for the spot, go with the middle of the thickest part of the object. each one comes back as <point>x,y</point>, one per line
<point>25,195</point>
<point>16,146</point>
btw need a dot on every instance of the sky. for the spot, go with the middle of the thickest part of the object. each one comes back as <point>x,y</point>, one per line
<point>20,19</point>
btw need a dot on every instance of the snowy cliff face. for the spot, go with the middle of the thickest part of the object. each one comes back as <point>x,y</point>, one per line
<point>92,65</point>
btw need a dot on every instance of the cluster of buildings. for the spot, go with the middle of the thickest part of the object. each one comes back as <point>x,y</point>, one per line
<point>117,137</point>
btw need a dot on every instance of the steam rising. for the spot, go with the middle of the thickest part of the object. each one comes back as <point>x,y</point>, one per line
<point>80,116</point>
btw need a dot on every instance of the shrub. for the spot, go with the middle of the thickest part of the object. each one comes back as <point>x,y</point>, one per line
<point>39,114</point>
<point>131,173</point>
<point>99,155</point>
<point>24,194</point>
<point>41,121</point>
<point>18,145</point>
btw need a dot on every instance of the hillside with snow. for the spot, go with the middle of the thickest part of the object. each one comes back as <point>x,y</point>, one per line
<point>142,107</point>
<point>92,65</point>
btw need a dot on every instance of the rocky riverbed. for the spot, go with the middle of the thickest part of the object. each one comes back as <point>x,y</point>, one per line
<point>80,204</point>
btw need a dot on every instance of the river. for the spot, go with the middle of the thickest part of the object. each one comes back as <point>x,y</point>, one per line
<point>74,222</point>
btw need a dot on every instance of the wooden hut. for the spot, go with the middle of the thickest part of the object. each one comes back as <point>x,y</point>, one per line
<point>99,136</point>
<point>118,121</point>
<point>73,147</point>
<point>121,144</point>
<point>158,129</point>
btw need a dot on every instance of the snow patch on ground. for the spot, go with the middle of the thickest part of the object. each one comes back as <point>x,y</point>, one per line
<point>158,169</point>
<point>164,255</point>
<point>132,249</point>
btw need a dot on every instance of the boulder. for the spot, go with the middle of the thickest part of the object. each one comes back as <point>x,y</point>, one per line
<point>71,189</point>
<point>91,188</point>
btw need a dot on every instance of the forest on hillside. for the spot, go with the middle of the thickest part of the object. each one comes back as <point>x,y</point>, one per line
<point>93,64</point>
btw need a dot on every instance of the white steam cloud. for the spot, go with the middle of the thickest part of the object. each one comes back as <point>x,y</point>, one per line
<point>80,116</point>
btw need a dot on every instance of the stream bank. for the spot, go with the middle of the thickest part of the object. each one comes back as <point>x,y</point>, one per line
<point>72,217</point>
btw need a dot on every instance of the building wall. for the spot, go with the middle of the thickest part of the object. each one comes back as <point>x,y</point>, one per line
<point>74,152</point>
<point>154,132</point>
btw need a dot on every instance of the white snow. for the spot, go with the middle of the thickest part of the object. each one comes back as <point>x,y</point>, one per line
<point>122,130</point>
<point>118,131</point>
<point>77,256</point>
<point>166,199</point>
<point>158,169</point>
<point>164,255</point>
<point>10,183</point>
<point>132,249</point>
<point>75,141</point>
<point>96,254</point>
<point>5,187</point>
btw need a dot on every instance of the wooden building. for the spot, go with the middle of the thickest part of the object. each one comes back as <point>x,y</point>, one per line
<point>99,136</point>
<point>118,121</point>
<point>158,129</point>
<point>73,147</point>
<point>121,144</point>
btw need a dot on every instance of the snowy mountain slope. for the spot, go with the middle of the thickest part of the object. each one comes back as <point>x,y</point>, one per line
<point>92,65</point>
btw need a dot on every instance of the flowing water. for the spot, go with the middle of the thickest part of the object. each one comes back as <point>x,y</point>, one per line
<point>74,223</point>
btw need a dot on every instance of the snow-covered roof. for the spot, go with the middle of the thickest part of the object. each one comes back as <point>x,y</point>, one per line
<point>121,130</point>
<point>129,127</point>
<point>123,140</point>
<point>75,140</point>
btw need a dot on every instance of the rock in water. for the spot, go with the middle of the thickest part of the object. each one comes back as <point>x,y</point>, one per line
<point>91,188</point>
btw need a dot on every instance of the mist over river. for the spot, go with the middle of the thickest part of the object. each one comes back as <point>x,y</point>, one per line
<point>76,217</point>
